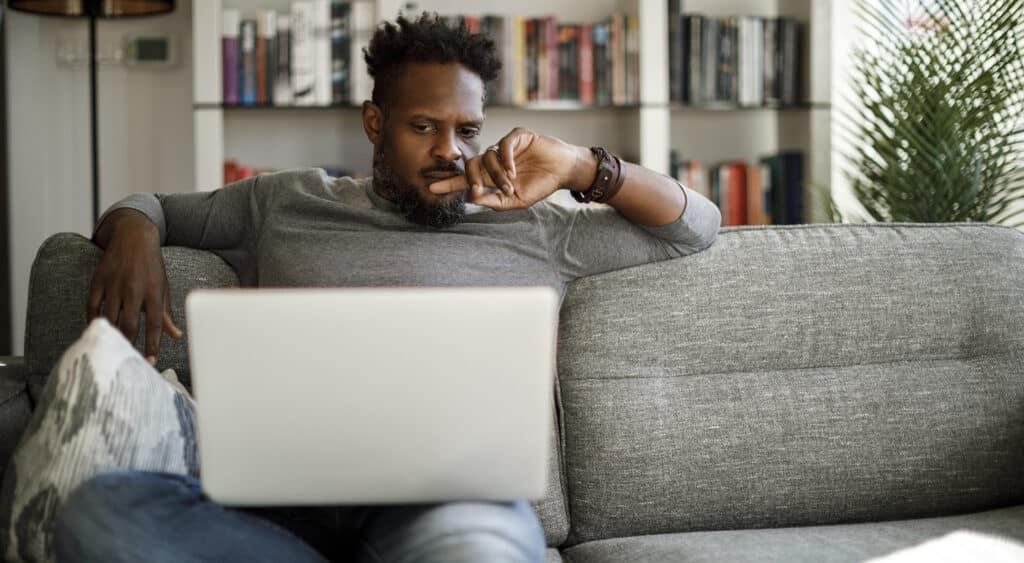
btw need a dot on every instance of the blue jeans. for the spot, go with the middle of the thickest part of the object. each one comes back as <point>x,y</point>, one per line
<point>164,518</point>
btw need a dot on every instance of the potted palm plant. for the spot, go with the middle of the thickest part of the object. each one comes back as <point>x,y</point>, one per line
<point>937,132</point>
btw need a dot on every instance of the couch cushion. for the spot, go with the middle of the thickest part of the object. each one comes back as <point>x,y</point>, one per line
<point>794,376</point>
<point>59,288</point>
<point>815,544</point>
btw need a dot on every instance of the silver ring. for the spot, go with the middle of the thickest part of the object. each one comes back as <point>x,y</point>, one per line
<point>493,148</point>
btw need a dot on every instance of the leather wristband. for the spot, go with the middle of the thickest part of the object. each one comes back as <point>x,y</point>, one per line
<point>610,176</point>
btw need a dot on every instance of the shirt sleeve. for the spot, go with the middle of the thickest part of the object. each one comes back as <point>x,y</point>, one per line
<point>594,240</point>
<point>216,220</point>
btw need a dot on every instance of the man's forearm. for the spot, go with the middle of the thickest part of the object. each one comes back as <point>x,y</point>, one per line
<point>119,221</point>
<point>646,197</point>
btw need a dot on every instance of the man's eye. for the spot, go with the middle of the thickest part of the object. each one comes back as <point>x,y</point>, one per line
<point>422,127</point>
<point>470,132</point>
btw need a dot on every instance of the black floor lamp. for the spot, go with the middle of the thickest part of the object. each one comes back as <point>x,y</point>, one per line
<point>93,9</point>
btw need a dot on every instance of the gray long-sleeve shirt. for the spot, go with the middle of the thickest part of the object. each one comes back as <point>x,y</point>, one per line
<point>301,228</point>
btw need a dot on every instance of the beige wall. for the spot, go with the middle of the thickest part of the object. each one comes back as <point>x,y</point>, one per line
<point>145,128</point>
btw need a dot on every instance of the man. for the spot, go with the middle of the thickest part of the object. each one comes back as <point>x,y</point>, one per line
<point>437,212</point>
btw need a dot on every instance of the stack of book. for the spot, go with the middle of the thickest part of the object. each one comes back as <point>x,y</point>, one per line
<point>767,192</point>
<point>745,61</point>
<point>234,171</point>
<point>308,56</point>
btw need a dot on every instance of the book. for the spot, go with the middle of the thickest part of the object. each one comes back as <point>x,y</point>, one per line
<point>247,57</point>
<point>231,21</point>
<point>322,59</point>
<point>789,41</point>
<point>282,81</point>
<point>360,83</point>
<point>568,64</point>
<point>520,62</point>
<point>303,71</point>
<point>772,94</point>
<point>675,51</point>
<point>340,52</point>
<point>694,59</point>
<point>586,65</point>
<point>601,38</point>
<point>267,37</point>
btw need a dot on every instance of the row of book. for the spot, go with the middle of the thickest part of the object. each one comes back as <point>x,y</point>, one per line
<point>745,60</point>
<point>767,192</point>
<point>310,55</point>
<point>546,60</point>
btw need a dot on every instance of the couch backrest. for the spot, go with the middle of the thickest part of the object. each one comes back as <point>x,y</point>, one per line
<point>58,290</point>
<point>797,375</point>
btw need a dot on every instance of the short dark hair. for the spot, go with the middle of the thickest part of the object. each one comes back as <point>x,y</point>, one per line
<point>427,39</point>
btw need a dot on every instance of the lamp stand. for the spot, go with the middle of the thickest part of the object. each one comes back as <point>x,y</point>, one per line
<point>93,125</point>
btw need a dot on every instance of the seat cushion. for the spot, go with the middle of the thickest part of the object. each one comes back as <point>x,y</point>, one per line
<point>813,544</point>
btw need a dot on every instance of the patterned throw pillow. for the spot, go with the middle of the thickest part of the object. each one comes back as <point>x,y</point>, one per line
<point>103,408</point>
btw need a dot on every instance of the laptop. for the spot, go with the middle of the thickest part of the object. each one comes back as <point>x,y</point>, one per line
<point>372,396</point>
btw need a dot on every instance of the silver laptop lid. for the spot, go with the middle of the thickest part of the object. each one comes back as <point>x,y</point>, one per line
<point>358,396</point>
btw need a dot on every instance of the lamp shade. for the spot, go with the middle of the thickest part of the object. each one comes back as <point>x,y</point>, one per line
<point>94,8</point>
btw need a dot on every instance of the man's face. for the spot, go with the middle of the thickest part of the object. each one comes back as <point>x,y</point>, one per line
<point>430,130</point>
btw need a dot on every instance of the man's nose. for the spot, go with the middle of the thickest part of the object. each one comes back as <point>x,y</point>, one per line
<point>446,147</point>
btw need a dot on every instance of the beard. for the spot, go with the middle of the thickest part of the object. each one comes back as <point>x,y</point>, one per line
<point>441,214</point>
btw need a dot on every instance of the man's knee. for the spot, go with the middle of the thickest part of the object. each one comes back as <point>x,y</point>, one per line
<point>104,516</point>
<point>471,531</point>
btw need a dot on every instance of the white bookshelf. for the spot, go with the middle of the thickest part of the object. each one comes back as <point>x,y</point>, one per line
<point>278,137</point>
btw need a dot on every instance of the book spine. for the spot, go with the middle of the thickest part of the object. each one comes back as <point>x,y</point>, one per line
<point>738,193</point>
<point>303,66</point>
<point>602,64</point>
<point>633,51</point>
<point>322,52</point>
<point>282,82</point>
<point>695,59</point>
<point>231,20</point>
<point>551,42</point>
<point>789,65</point>
<point>532,60</point>
<point>509,69</point>
<point>247,37</point>
<point>586,65</point>
<point>709,80</point>
<point>268,25</point>
<point>618,48</point>
<point>341,51</point>
<point>362,18</point>
<point>521,61</point>
<point>261,60</point>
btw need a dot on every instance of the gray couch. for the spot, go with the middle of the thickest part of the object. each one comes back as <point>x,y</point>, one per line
<point>806,393</point>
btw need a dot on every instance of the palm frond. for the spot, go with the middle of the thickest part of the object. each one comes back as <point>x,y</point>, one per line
<point>936,132</point>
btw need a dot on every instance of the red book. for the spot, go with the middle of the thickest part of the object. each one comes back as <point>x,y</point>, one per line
<point>736,192</point>
<point>586,65</point>
<point>473,24</point>
<point>755,201</point>
<point>245,172</point>
<point>230,171</point>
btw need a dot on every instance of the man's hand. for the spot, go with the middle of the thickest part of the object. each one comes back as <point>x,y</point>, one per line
<point>525,168</point>
<point>131,278</point>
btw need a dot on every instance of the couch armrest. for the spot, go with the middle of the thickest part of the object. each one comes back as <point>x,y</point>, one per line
<point>59,287</point>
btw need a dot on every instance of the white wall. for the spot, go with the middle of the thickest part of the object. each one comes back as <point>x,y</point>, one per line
<point>145,129</point>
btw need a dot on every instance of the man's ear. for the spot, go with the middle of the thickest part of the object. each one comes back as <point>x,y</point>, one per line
<point>373,121</point>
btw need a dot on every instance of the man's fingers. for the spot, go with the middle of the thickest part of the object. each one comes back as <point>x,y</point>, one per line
<point>492,164</point>
<point>154,326</point>
<point>453,184</point>
<point>112,308</point>
<point>92,308</point>
<point>169,326</point>
<point>507,147</point>
<point>130,319</point>
<point>493,200</point>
